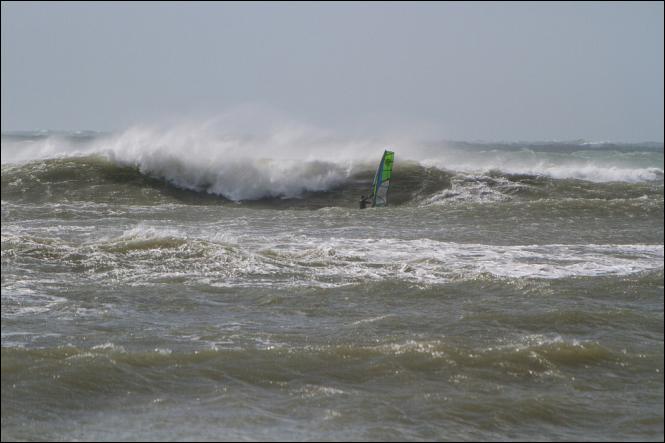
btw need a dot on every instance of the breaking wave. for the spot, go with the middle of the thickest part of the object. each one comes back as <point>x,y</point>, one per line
<point>295,162</point>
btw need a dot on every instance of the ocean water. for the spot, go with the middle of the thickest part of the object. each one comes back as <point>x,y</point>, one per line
<point>178,286</point>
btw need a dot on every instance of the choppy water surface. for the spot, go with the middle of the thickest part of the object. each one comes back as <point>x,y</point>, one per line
<point>511,291</point>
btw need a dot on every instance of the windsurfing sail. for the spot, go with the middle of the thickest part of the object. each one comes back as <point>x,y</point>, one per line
<point>379,191</point>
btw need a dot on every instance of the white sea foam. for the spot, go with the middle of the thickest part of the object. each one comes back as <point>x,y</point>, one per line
<point>470,188</point>
<point>239,259</point>
<point>430,261</point>
<point>297,260</point>
<point>595,167</point>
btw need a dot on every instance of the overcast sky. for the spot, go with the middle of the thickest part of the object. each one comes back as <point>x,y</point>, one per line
<point>462,71</point>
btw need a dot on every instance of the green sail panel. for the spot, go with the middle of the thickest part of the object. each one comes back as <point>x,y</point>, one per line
<point>381,183</point>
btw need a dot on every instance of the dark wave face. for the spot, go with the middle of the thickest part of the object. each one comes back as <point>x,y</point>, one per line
<point>180,286</point>
<point>99,180</point>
